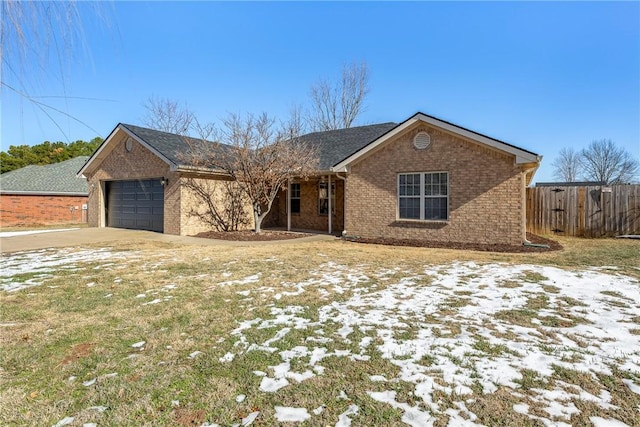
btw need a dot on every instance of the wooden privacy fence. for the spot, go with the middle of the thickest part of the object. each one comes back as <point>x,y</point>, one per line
<point>584,211</point>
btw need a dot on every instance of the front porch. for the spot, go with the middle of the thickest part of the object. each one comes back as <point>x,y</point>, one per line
<point>306,205</point>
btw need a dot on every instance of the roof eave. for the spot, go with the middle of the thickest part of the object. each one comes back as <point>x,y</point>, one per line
<point>199,169</point>
<point>521,156</point>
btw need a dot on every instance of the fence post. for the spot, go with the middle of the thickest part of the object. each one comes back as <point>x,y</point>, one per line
<point>581,201</point>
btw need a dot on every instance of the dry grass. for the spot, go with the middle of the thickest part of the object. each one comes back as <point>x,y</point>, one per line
<point>62,333</point>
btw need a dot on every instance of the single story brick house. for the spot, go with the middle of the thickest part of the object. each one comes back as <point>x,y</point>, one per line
<point>43,195</point>
<point>422,179</point>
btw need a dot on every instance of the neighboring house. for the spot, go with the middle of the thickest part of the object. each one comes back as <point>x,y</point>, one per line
<point>42,195</point>
<point>422,179</point>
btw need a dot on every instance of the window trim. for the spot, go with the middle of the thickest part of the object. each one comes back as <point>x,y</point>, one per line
<point>332,195</point>
<point>422,196</point>
<point>299,198</point>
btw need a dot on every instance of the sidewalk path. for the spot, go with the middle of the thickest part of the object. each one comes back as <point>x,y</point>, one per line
<point>24,233</point>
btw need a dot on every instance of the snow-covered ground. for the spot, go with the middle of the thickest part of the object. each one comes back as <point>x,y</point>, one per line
<point>452,329</point>
<point>42,264</point>
<point>457,317</point>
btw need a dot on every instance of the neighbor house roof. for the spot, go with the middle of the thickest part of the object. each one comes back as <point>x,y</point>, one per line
<point>54,179</point>
<point>335,145</point>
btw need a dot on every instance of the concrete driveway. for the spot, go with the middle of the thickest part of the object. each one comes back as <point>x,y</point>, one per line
<point>83,236</point>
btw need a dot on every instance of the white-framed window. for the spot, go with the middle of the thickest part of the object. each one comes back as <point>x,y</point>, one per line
<point>294,198</point>
<point>423,196</point>
<point>323,198</point>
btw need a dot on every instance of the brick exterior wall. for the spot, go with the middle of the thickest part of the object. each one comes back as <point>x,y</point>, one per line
<point>190,224</point>
<point>23,210</point>
<point>309,218</point>
<point>139,163</point>
<point>485,191</point>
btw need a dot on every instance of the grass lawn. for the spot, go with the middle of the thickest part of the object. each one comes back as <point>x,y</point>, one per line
<point>331,333</point>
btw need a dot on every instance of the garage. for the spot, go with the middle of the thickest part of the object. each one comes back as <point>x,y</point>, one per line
<point>136,204</point>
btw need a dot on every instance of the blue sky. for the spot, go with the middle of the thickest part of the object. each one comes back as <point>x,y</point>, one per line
<point>540,75</point>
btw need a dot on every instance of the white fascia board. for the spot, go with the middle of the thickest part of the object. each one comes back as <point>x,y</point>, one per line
<point>111,137</point>
<point>97,153</point>
<point>521,155</point>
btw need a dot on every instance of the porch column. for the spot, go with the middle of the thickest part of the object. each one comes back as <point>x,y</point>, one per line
<point>330,213</point>
<point>289,205</point>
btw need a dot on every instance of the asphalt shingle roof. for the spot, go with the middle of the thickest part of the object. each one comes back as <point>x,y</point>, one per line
<point>333,146</point>
<point>56,178</point>
<point>176,148</point>
<point>336,145</point>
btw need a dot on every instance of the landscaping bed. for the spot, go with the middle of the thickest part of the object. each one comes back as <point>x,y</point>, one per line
<point>537,240</point>
<point>251,236</point>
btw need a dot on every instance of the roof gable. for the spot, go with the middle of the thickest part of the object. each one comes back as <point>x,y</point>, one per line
<point>55,178</point>
<point>522,156</point>
<point>173,149</point>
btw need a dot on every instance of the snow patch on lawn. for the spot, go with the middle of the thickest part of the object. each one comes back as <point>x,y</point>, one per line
<point>249,419</point>
<point>475,325</point>
<point>249,279</point>
<point>64,422</point>
<point>343,419</point>
<point>40,264</point>
<point>606,422</point>
<point>271,385</point>
<point>288,414</point>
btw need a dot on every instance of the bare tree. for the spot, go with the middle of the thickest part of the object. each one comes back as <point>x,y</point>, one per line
<point>602,160</point>
<point>260,156</point>
<point>168,115</point>
<point>336,106</point>
<point>38,42</point>
<point>567,165</point>
<point>219,203</point>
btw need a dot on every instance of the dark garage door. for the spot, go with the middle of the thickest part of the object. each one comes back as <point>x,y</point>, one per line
<point>135,204</point>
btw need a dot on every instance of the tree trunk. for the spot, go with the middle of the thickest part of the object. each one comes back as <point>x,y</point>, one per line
<point>257,218</point>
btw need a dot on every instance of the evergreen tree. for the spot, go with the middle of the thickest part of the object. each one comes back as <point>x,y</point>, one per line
<point>19,156</point>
